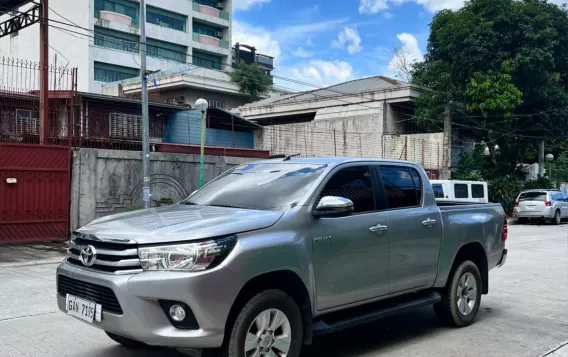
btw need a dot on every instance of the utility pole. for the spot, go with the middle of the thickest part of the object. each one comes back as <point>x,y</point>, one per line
<point>145,120</point>
<point>44,73</point>
<point>541,159</point>
<point>447,152</point>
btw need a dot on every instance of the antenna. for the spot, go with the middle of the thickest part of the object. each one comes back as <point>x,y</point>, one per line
<point>288,157</point>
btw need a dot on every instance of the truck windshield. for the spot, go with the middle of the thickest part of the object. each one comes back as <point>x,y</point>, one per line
<point>533,196</point>
<point>259,186</point>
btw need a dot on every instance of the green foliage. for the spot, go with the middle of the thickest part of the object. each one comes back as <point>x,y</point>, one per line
<point>559,169</point>
<point>504,190</point>
<point>493,92</point>
<point>471,166</point>
<point>539,183</point>
<point>252,80</point>
<point>504,65</point>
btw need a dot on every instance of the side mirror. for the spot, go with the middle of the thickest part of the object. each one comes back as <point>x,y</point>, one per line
<point>332,206</point>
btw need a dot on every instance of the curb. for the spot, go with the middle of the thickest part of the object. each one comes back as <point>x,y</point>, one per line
<point>27,264</point>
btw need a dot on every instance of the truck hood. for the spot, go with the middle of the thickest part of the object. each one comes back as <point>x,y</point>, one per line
<point>178,223</point>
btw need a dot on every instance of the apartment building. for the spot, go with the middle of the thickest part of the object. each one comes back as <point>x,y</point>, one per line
<point>103,39</point>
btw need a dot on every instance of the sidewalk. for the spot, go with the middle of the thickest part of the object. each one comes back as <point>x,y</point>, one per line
<point>32,254</point>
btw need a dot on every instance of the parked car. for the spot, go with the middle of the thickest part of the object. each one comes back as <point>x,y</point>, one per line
<point>544,205</point>
<point>460,191</point>
<point>272,253</point>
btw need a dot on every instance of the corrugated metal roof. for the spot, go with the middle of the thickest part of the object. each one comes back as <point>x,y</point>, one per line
<point>351,87</point>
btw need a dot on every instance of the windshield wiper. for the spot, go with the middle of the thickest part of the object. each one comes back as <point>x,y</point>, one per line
<point>189,203</point>
<point>226,206</point>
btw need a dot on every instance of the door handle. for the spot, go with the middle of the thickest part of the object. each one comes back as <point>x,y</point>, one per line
<point>429,222</point>
<point>379,229</point>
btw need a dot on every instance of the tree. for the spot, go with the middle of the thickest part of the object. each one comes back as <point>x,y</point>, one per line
<point>504,65</point>
<point>252,80</point>
<point>401,63</point>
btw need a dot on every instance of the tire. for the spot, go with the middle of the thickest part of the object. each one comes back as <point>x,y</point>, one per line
<point>126,342</point>
<point>557,218</point>
<point>522,220</point>
<point>269,306</point>
<point>448,311</point>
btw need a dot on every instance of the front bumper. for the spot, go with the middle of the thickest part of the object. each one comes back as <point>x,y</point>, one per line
<point>546,213</point>
<point>209,295</point>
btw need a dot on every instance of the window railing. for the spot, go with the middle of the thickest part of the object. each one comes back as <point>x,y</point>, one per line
<point>116,43</point>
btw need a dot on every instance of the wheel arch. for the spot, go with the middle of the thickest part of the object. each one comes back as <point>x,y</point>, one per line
<point>285,280</point>
<point>475,252</point>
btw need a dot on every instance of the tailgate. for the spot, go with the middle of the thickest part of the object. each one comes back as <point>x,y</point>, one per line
<point>531,206</point>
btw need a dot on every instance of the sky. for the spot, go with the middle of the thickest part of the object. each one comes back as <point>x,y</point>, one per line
<point>327,42</point>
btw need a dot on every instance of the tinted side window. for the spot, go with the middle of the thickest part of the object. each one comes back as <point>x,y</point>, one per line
<point>438,190</point>
<point>460,190</point>
<point>417,185</point>
<point>355,184</point>
<point>556,196</point>
<point>400,188</point>
<point>477,191</point>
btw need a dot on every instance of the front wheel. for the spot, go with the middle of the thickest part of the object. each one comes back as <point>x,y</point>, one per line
<point>461,296</point>
<point>269,325</point>
<point>557,218</point>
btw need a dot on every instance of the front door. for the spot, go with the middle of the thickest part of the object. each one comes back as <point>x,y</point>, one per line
<point>351,254</point>
<point>415,229</point>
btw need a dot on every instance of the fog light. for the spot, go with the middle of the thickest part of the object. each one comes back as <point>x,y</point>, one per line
<point>177,313</point>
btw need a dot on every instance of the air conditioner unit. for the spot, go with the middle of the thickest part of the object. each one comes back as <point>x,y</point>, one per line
<point>219,34</point>
<point>220,5</point>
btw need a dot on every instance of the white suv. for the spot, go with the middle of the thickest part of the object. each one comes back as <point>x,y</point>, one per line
<point>549,205</point>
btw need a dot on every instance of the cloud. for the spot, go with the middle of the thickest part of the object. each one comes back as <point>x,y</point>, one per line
<point>247,4</point>
<point>292,33</point>
<point>350,37</point>
<point>263,40</point>
<point>318,72</point>
<point>301,52</point>
<point>387,15</point>
<point>372,6</point>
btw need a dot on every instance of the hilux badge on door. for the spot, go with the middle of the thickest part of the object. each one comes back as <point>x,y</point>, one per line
<point>322,239</point>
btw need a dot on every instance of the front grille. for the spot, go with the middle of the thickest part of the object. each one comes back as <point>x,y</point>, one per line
<point>92,292</point>
<point>109,257</point>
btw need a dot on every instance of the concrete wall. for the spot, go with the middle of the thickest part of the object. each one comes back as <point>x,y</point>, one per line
<point>110,181</point>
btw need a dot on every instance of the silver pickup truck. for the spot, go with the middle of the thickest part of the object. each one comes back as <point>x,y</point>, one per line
<point>272,253</point>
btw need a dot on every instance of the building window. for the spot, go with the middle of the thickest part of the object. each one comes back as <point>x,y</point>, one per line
<point>165,18</point>
<point>166,50</point>
<point>116,40</point>
<point>111,73</point>
<point>216,103</point>
<point>207,30</point>
<point>206,60</point>
<point>125,126</point>
<point>27,122</point>
<point>206,2</point>
<point>122,7</point>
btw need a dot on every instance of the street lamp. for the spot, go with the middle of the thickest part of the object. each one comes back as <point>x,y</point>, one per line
<point>202,105</point>
<point>550,158</point>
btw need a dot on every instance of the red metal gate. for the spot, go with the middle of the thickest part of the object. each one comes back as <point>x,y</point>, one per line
<point>34,192</point>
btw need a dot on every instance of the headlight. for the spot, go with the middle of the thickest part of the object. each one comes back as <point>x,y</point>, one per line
<point>186,257</point>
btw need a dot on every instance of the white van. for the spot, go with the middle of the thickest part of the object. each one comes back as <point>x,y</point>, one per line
<point>465,191</point>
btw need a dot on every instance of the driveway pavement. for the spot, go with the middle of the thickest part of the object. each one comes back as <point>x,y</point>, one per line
<point>524,314</point>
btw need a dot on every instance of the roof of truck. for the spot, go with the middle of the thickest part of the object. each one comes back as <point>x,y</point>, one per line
<point>329,160</point>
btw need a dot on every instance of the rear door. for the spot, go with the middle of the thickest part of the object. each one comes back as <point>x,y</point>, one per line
<point>532,201</point>
<point>564,205</point>
<point>415,228</point>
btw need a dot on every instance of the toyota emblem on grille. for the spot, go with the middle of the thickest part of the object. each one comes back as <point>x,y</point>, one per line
<point>88,255</point>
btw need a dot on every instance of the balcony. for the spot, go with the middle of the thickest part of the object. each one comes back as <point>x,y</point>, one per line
<point>265,61</point>
<point>211,41</point>
<point>211,11</point>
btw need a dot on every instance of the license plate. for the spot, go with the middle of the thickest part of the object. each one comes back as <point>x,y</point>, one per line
<point>531,207</point>
<point>83,309</point>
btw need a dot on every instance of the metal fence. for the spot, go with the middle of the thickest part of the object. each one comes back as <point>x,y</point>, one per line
<point>20,102</point>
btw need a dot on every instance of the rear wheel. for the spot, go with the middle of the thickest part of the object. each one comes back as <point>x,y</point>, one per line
<point>461,296</point>
<point>126,342</point>
<point>557,218</point>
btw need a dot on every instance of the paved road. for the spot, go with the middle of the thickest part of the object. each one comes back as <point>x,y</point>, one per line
<point>525,314</point>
